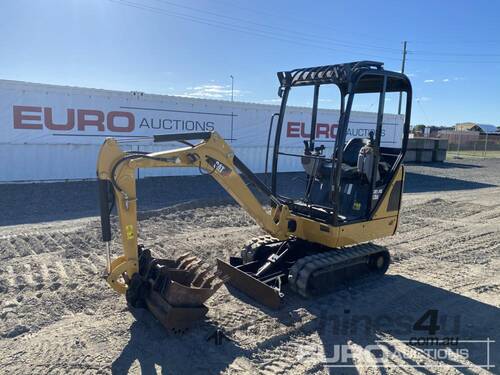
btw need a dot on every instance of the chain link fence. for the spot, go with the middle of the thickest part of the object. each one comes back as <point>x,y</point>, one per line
<point>472,144</point>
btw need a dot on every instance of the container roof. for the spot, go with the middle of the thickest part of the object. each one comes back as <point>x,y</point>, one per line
<point>486,128</point>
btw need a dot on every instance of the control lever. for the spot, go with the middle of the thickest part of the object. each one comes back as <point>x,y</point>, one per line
<point>307,148</point>
<point>319,150</point>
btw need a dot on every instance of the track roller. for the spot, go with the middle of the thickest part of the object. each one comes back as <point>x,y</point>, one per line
<point>379,262</point>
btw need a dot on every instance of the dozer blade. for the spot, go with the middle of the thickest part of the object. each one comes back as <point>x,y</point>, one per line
<point>174,291</point>
<point>240,277</point>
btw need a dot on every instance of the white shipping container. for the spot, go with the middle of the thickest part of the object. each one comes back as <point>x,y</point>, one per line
<point>51,132</point>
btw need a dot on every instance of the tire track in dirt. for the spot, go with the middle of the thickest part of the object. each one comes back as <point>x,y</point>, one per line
<point>57,315</point>
<point>50,268</point>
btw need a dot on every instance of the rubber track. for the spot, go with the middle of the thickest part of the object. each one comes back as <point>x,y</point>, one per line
<point>251,247</point>
<point>298,278</point>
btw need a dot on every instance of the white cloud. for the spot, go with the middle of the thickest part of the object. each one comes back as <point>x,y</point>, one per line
<point>429,81</point>
<point>446,80</point>
<point>411,75</point>
<point>423,99</point>
<point>211,91</point>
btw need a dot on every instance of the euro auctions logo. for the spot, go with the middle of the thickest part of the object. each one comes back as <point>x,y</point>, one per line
<point>328,132</point>
<point>38,118</point>
<point>297,129</point>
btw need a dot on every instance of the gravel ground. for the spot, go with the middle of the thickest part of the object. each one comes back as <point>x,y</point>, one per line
<point>58,316</point>
<point>78,199</point>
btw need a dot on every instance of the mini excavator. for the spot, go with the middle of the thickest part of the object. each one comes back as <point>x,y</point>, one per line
<point>352,195</point>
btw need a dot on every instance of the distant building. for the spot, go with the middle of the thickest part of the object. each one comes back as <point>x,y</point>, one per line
<point>455,136</point>
<point>472,126</point>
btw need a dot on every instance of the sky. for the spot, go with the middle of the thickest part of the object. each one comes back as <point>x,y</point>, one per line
<point>193,47</point>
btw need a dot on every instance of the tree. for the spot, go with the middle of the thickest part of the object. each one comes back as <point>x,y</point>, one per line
<point>419,128</point>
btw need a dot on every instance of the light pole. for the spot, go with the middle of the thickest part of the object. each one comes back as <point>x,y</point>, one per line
<point>232,88</point>
<point>402,71</point>
<point>232,109</point>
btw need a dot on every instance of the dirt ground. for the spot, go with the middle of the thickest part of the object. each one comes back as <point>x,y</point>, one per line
<point>58,316</point>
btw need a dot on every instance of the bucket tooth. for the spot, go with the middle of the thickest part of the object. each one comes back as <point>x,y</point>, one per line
<point>193,266</point>
<point>199,278</point>
<point>182,257</point>
<point>208,281</point>
<point>186,262</point>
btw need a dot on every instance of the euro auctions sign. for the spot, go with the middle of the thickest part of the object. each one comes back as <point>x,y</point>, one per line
<point>47,114</point>
<point>97,122</point>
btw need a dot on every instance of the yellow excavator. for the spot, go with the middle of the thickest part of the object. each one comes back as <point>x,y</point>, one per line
<point>351,195</point>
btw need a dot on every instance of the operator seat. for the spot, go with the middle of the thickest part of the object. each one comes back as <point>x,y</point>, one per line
<point>351,150</point>
<point>357,166</point>
<point>359,153</point>
<point>352,177</point>
<point>366,163</point>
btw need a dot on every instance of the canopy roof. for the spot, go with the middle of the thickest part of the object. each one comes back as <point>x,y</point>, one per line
<point>371,73</point>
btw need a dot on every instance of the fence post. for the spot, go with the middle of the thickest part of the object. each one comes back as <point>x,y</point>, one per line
<point>459,141</point>
<point>485,146</point>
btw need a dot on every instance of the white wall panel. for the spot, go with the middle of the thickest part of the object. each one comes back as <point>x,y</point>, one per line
<point>54,132</point>
<point>32,162</point>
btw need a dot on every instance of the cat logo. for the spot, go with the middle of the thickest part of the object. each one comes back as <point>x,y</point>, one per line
<point>218,166</point>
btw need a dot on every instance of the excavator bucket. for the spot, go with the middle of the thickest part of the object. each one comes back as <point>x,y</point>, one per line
<point>174,291</point>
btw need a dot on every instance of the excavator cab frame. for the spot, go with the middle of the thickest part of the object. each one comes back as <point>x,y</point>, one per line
<point>351,79</point>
